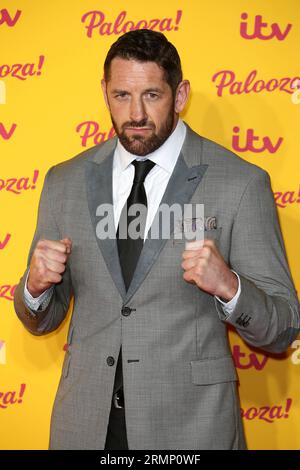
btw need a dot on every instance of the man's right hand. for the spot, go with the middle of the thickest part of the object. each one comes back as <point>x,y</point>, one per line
<point>48,264</point>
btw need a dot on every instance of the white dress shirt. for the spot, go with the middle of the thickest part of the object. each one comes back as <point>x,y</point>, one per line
<point>165,158</point>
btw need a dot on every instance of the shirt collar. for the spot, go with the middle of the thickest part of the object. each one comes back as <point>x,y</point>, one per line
<point>165,156</point>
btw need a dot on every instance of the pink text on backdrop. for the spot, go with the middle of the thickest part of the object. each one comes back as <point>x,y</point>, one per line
<point>285,198</point>
<point>225,80</point>
<point>259,25</point>
<point>12,397</point>
<point>7,291</point>
<point>19,185</point>
<point>90,131</point>
<point>248,360</point>
<point>5,133</point>
<point>5,241</point>
<point>22,71</point>
<point>249,146</point>
<point>268,413</point>
<point>95,21</point>
<point>8,18</point>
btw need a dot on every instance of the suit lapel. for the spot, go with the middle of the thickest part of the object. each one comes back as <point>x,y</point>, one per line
<point>99,191</point>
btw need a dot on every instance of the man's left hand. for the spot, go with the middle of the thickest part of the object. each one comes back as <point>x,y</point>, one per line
<point>206,268</point>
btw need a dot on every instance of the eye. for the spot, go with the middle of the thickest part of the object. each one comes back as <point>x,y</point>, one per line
<point>121,95</point>
<point>152,96</point>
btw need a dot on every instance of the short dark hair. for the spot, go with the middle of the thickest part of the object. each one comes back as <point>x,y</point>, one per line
<point>146,45</point>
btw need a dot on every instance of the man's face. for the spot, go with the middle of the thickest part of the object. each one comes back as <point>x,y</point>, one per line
<point>141,105</point>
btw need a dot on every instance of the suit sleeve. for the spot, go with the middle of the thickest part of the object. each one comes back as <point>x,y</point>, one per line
<point>48,319</point>
<point>267,314</point>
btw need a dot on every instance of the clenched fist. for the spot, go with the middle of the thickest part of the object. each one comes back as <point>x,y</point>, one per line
<point>206,268</point>
<point>48,264</point>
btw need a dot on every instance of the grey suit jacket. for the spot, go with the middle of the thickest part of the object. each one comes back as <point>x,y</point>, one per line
<point>179,377</point>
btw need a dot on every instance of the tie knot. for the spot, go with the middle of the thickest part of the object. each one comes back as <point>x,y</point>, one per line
<point>142,169</point>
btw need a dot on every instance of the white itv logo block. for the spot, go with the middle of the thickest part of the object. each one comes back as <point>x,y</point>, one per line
<point>2,352</point>
<point>2,92</point>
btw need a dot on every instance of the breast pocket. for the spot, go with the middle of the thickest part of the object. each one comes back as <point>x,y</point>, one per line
<point>213,371</point>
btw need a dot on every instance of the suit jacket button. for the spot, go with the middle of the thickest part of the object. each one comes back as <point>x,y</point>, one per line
<point>110,361</point>
<point>126,311</point>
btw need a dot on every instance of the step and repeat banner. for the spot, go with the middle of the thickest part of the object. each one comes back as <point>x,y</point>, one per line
<point>242,59</point>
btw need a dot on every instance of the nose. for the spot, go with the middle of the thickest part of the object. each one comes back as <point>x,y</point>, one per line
<point>137,110</point>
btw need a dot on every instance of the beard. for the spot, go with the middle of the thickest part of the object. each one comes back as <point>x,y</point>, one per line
<point>141,145</point>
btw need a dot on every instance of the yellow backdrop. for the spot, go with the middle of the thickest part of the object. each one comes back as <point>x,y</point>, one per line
<point>242,58</point>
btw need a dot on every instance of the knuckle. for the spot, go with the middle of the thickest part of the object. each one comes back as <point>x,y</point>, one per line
<point>204,262</point>
<point>206,249</point>
<point>42,271</point>
<point>55,277</point>
<point>198,270</point>
<point>62,268</point>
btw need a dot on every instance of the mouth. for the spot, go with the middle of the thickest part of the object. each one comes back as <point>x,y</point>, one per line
<point>138,129</point>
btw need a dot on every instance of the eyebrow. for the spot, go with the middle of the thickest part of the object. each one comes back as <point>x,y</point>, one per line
<point>158,90</point>
<point>148,90</point>
<point>116,90</point>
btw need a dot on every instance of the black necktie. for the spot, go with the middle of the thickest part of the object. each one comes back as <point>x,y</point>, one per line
<point>129,248</point>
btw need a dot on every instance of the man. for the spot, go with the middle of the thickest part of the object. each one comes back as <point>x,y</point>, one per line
<point>158,307</point>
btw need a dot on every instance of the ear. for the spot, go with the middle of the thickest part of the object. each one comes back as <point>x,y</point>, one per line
<point>182,94</point>
<point>104,90</point>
